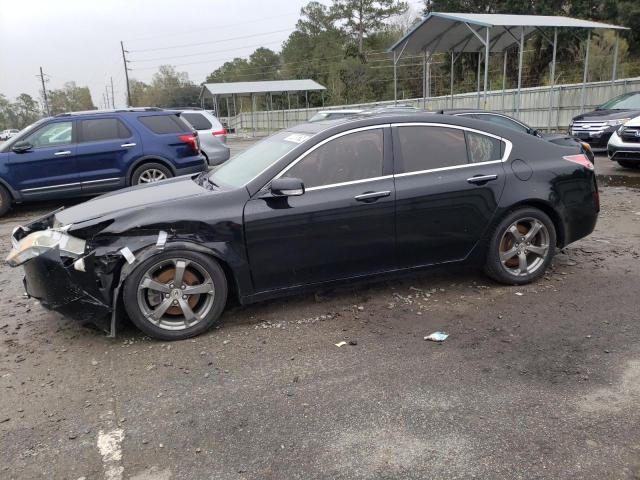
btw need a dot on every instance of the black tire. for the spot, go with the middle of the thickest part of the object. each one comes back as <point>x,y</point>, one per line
<point>503,242</point>
<point>148,168</point>
<point>5,200</point>
<point>628,164</point>
<point>141,303</point>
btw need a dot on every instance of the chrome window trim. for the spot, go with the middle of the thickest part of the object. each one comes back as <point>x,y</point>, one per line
<point>352,182</point>
<point>323,142</point>
<point>505,156</point>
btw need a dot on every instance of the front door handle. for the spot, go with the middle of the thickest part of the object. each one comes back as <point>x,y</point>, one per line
<point>481,179</point>
<point>372,196</point>
<point>60,154</point>
<point>127,145</point>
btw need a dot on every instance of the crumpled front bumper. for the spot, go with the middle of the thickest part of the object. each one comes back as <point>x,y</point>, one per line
<point>59,287</point>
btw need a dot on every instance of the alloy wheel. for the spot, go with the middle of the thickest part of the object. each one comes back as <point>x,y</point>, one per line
<point>176,294</point>
<point>152,175</point>
<point>524,247</point>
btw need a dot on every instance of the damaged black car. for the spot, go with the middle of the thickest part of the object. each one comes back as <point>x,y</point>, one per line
<point>321,202</point>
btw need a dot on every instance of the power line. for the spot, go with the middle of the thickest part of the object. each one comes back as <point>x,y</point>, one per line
<point>214,41</point>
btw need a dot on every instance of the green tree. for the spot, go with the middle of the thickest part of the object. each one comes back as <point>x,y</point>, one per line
<point>168,88</point>
<point>70,98</point>
<point>361,18</point>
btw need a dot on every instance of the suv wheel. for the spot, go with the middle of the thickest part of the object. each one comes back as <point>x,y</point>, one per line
<point>521,247</point>
<point>5,200</point>
<point>150,173</point>
<point>175,295</point>
<point>628,164</point>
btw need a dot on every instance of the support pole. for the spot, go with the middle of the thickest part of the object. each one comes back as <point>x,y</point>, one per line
<point>520,53</point>
<point>486,67</point>
<point>289,110</point>
<point>478,80</point>
<point>113,98</point>
<point>504,78</point>
<point>614,72</point>
<point>552,78</point>
<point>429,81</point>
<point>451,77</point>
<point>586,71</point>
<point>424,79</point>
<point>395,79</point>
<point>253,114</point>
<point>44,93</point>
<point>126,74</point>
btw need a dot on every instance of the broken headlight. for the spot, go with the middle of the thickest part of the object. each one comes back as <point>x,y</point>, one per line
<point>40,242</point>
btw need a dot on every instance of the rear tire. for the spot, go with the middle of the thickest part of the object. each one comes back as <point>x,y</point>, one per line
<point>150,173</point>
<point>176,294</point>
<point>520,247</point>
<point>5,200</point>
<point>628,164</point>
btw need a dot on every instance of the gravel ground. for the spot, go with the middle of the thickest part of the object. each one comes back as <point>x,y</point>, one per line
<point>536,382</point>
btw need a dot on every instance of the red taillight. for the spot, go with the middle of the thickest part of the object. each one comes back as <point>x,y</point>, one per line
<point>192,140</point>
<point>217,133</point>
<point>580,159</point>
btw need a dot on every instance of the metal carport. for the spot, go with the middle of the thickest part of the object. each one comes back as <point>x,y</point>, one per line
<point>483,33</point>
<point>231,90</point>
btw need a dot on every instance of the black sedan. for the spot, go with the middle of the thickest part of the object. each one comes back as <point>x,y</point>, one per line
<point>318,203</point>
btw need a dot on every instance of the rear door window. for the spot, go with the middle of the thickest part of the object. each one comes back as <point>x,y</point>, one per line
<point>504,122</point>
<point>197,120</point>
<point>427,148</point>
<point>162,124</point>
<point>103,129</point>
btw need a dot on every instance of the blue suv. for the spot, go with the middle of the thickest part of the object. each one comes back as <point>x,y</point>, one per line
<point>88,153</point>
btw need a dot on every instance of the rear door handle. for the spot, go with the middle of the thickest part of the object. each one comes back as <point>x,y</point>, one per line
<point>127,145</point>
<point>372,196</point>
<point>481,179</point>
<point>60,154</point>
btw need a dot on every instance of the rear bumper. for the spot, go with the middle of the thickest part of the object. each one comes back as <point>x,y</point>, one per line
<point>197,168</point>
<point>61,288</point>
<point>218,156</point>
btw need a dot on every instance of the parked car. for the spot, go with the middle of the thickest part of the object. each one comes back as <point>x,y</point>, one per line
<point>87,153</point>
<point>624,144</point>
<point>510,122</point>
<point>8,133</point>
<point>314,204</point>
<point>335,114</point>
<point>596,127</point>
<point>213,135</point>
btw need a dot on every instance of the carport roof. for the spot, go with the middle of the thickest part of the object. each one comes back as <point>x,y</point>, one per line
<point>462,32</point>
<point>270,86</point>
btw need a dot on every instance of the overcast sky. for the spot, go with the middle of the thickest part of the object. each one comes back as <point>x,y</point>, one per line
<point>80,39</point>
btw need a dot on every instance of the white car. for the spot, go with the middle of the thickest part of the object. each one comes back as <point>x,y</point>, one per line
<point>7,134</point>
<point>624,144</point>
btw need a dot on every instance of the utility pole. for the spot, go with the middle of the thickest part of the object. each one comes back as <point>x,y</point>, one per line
<point>44,92</point>
<point>113,98</point>
<point>106,89</point>
<point>126,73</point>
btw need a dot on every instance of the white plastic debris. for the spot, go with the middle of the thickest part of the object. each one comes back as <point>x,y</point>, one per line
<point>340,344</point>
<point>162,239</point>
<point>519,294</point>
<point>128,255</point>
<point>437,337</point>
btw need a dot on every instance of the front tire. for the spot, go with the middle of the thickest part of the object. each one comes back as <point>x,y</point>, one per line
<point>628,164</point>
<point>176,294</point>
<point>521,247</point>
<point>5,200</point>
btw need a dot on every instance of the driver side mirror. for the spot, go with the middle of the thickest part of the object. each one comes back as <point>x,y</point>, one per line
<point>536,133</point>
<point>21,146</point>
<point>287,187</point>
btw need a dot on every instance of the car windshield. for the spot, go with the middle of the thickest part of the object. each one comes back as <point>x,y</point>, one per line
<point>244,167</point>
<point>628,101</point>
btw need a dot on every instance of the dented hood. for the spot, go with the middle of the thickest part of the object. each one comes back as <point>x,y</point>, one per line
<point>138,197</point>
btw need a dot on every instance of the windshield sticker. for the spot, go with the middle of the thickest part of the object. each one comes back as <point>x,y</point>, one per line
<point>297,138</point>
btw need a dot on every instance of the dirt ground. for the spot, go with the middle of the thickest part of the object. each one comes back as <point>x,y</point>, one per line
<point>537,382</point>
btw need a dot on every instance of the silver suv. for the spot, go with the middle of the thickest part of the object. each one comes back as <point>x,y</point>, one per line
<point>212,135</point>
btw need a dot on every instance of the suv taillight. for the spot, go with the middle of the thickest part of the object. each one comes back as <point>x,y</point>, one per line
<point>192,140</point>
<point>580,159</point>
<point>217,133</point>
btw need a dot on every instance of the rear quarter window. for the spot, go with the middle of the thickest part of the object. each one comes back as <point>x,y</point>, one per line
<point>197,120</point>
<point>162,124</point>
